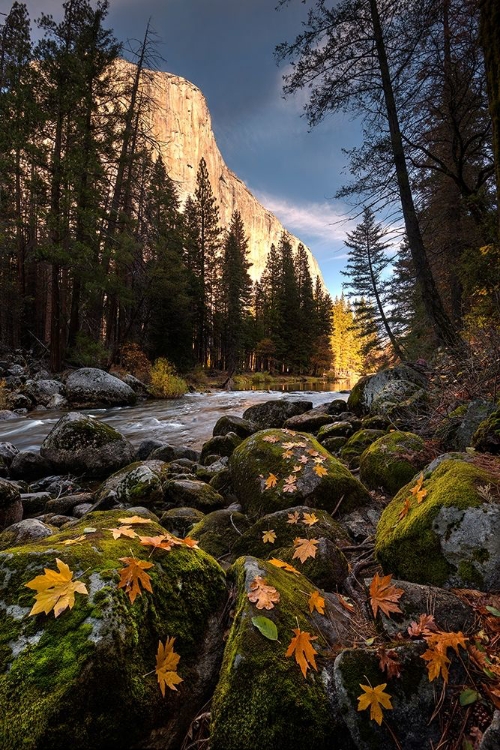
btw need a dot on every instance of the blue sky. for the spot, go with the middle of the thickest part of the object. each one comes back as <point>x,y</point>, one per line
<point>225,47</point>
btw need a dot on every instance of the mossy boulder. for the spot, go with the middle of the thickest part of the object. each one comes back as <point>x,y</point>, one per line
<point>337,429</point>
<point>229,423</point>
<point>85,677</point>
<point>251,543</point>
<point>193,493</point>
<point>137,484</point>
<point>219,532</point>
<point>335,407</point>
<point>328,569</point>
<point>451,538</point>
<point>412,697</point>
<point>392,460</point>
<point>315,477</point>
<point>180,521</point>
<point>334,444</point>
<point>357,444</point>
<point>370,387</point>
<point>78,444</point>
<point>309,421</point>
<point>487,436</point>
<point>262,699</point>
<point>275,413</point>
<point>11,507</point>
<point>220,445</point>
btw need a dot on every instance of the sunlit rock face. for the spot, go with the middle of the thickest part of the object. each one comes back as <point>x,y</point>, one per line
<point>180,121</point>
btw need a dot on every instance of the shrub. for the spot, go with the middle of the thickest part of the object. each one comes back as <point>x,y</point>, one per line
<point>88,353</point>
<point>134,360</point>
<point>165,383</point>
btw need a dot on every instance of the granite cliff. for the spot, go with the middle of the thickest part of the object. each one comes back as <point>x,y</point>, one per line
<point>180,122</point>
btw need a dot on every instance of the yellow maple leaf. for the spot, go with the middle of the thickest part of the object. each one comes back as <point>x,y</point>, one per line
<point>384,595</point>
<point>271,481</point>
<point>133,576</point>
<point>309,519</point>
<point>123,531</point>
<point>76,540</point>
<point>134,519</point>
<point>269,536</point>
<point>417,488</point>
<point>262,595</point>
<point>301,647</point>
<point>284,565</point>
<point>289,446</point>
<point>293,517</point>
<point>404,510</point>
<point>297,468</point>
<point>320,470</point>
<point>317,602</point>
<point>287,454</point>
<point>55,590</point>
<point>420,495</point>
<point>375,699</point>
<point>166,666</point>
<point>305,548</point>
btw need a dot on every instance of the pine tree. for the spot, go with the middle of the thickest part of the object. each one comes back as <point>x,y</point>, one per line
<point>304,338</point>
<point>367,261</point>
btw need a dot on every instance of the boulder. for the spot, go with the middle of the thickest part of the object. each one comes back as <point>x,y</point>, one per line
<point>192,493</point>
<point>229,423</point>
<point>81,445</point>
<point>337,429</point>
<point>370,387</point>
<point>218,533</point>
<point>392,461</point>
<point>335,407</point>
<point>90,386</point>
<point>273,469</point>
<point>139,482</point>
<point>309,421</point>
<point>41,391</point>
<point>11,507</point>
<point>357,444</point>
<point>7,452</point>
<point>89,674</point>
<point>34,503</point>
<point>275,413</point>
<point>450,538</point>
<point>487,436</point>
<point>334,444</point>
<point>30,465</point>
<point>24,532</point>
<point>180,521</point>
<point>220,445</point>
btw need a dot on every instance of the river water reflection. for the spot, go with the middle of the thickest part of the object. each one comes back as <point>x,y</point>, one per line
<point>185,421</point>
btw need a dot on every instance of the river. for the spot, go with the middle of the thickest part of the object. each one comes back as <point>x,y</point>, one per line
<point>187,421</point>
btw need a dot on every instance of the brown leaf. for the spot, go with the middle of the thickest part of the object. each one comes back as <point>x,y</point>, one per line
<point>317,602</point>
<point>157,542</point>
<point>76,540</point>
<point>289,446</point>
<point>383,595</point>
<point>345,603</point>
<point>123,531</point>
<point>132,577</point>
<point>269,536</point>
<point>304,460</point>
<point>297,467</point>
<point>166,666</point>
<point>388,662</point>
<point>290,484</point>
<point>188,542</point>
<point>438,663</point>
<point>263,596</point>
<point>305,548</point>
<point>271,481</point>
<point>301,647</point>
<point>284,565</point>
<point>287,454</point>
<point>425,625</point>
<point>312,452</point>
<point>55,590</point>
<point>420,495</point>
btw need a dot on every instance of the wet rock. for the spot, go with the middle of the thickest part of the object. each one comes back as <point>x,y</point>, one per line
<point>7,452</point>
<point>180,521</point>
<point>66,505</point>
<point>357,444</point>
<point>140,482</point>
<point>337,429</point>
<point>310,421</point>
<point>164,453</point>
<point>335,407</point>
<point>6,414</point>
<point>229,423</point>
<point>42,391</point>
<point>221,445</point>
<point>218,532</point>
<point>30,465</point>
<point>146,447</point>
<point>190,492</point>
<point>370,387</point>
<point>81,510</point>
<point>91,386</point>
<point>275,413</point>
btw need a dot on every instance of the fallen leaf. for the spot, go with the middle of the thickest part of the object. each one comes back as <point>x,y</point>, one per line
<point>388,662</point>
<point>375,699</point>
<point>133,576</point>
<point>123,531</point>
<point>383,595</point>
<point>297,467</point>
<point>290,484</point>
<point>284,565</point>
<point>270,439</point>
<point>319,459</point>
<point>320,470</point>
<point>188,542</point>
<point>262,595</point>
<point>289,446</point>
<point>287,454</point>
<point>267,627</point>
<point>309,519</point>
<point>420,495</point>
<point>77,540</point>
<point>404,510</point>
<point>442,640</point>
<point>304,460</point>
<point>134,519</point>
<point>289,432</point>
<point>166,666</point>
<point>425,625</point>
<point>269,536</point>
<point>157,542</point>
<point>55,590</point>
<point>271,481</point>
<point>305,548</point>
<point>293,517</point>
<point>312,452</point>
<point>438,663</point>
<point>345,603</point>
<point>316,602</point>
<point>301,647</point>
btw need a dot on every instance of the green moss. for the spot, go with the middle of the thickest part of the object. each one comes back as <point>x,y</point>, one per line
<point>352,450</point>
<point>391,461</point>
<point>262,700</point>
<point>410,548</point>
<point>487,436</point>
<point>218,532</point>
<point>82,675</point>
<point>470,575</point>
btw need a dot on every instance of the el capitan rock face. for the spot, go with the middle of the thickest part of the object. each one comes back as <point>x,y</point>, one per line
<point>181,123</point>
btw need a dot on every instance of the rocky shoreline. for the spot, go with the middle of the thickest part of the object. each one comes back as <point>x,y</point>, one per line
<point>312,501</point>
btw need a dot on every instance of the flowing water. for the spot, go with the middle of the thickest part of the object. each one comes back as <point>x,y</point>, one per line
<point>187,421</point>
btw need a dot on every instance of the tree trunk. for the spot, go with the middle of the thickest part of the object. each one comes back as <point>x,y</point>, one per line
<point>490,40</point>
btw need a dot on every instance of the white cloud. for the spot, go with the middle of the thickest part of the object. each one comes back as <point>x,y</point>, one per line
<point>324,223</point>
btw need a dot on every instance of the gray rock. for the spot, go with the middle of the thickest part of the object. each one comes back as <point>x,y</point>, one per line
<point>57,401</point>
<point>310,421</point>
<point>81,445</point>
<point>477,411</point>
<point>229,423</point>
<point>6,414</point>
<point>24,532</point>
<point>221,445</point>
<point>81,510</point>
<point>137,385</point>
<point>180,521</point>
<point>146,447</point>
<point>335,407</point>
<point>491,737</point>
<point>370,387</point>
<point>164,453</point>
<point>11,507</point>
<point>29,465</point>
<point>34,503</point>
<point>139,482</point>
<point>8,451</point>
<point>92,386</point>
<point>42,391</point>
<point>275,413</point>
<point>337,429</point>
<point>66,505</point>
<point>190,492</point>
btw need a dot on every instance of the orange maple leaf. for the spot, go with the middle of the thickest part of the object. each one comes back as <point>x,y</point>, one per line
<point>420,495</point>
<point>289,446</point>
<point>271,481</point>
<point>317,602</point>
<point>320,470</point>
<point>132,576</point>
<point>166,666</point>
<point>286,566</point>
<point>293,517</point>
<point>442,640</point>
<point>375,699</point>
<point>312,452</point>
<point>123,531</point>
<point>55,590</point>
<point>287,454</point>
<point>269,536</point>
<point>404,510</point>
<point>438,663</point>
<point>188,542</point>
<point>309,519</point>
<point>305,548</point>
<point>262,595</point>
<point>301,647</point>
<point>345,603</point>
<point>425,625</point>
<point>157,542</point>
<point>383,595</point>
